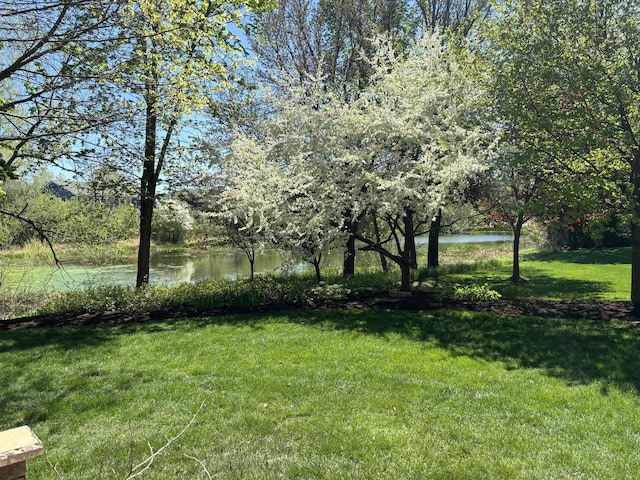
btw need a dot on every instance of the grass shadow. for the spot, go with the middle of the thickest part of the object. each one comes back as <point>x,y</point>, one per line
<point>594,256</point>
<point>575,351</point>
<point>538,285</point>
<point>578,352</point>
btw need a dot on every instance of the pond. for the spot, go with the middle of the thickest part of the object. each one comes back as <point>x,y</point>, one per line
<point>171,268</point>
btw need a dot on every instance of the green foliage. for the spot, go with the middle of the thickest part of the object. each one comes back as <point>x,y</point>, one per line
<point>79,221</point>
<point>563,75</point>
<point>289,290</point>
<point>474,292</point>
<point>98,223</point>
<point>330,292</point>
<point>109,298</point>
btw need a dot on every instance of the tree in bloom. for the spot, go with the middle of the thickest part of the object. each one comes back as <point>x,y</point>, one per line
<point>172,55</point>
<point>403,148</point>
<point>281,188</point>
<point>422,125</point>
<point>244,205</point>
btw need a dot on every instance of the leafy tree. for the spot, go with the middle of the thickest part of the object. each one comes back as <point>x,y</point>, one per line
<point>513,193</point>
<point>566,83</point>
<point>174,54</point>
<point>45,46</point>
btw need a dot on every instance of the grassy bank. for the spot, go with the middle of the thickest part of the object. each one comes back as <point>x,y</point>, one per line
<point>330,395</point>
<point>565,275</point>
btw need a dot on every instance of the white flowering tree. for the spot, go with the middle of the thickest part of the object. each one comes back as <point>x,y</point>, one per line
<point>421,126</point>
<point>403,148</point>
<point>281,188</point>
<point>243,207</point>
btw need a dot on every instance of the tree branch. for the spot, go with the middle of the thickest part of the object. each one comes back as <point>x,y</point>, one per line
<point>34,225</point>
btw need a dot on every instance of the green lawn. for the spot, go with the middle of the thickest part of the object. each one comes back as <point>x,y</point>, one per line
<point>598,274</point>
<point>330,395</point>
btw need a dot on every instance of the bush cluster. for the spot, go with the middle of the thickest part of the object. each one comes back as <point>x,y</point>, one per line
<point>212,294</point>
<point>474,293</point>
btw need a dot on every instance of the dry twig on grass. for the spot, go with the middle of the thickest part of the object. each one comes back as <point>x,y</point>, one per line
<point>138,470</point>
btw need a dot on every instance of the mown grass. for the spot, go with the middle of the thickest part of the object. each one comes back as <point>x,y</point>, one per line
<point>596,274</point>
<point>331,395</point>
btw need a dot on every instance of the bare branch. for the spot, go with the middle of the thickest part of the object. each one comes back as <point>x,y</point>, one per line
<point>138,470</point>
<point>37,228</point>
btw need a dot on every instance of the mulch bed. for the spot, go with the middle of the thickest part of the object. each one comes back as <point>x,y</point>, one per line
<point>595,311</point>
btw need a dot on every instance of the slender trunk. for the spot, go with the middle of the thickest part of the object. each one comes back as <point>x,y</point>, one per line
<point>316,266</point>
<point>433,254</point>
<point>635,237</point>
<point>148,183</point>
<point>410,240</point>
<point>383,258</point>
<point>517,231</point>
<point>252,261</point>
<point>349,261</point>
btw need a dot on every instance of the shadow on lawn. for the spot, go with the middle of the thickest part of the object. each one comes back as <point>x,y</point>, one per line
<point>575,351</point>
<point>600,256</point>
<point>30,398</point>
<point>538,285</point>
<point>541,285</point>
<point>578,352</point>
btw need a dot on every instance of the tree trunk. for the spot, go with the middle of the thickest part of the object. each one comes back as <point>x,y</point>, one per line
<point>433,247</point>
<point>405,272</point>
<point>383,258</point>
<point>349,261</point>
<point>635,237</point>
<point>148,182</point>
<point>144,241</point>
<point>517,231</point>
<point>410,240</point>
<point>316,266</point>
<point>252,262</point>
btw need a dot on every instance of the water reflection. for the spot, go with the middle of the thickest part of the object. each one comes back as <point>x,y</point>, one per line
<point>173,268</point>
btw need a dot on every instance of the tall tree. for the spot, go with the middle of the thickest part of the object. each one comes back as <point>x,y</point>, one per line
<point>333,38</point>
<point>459,19</point>
<point>173,56</point>
<point>566,83</point>
<point>304,37</point>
